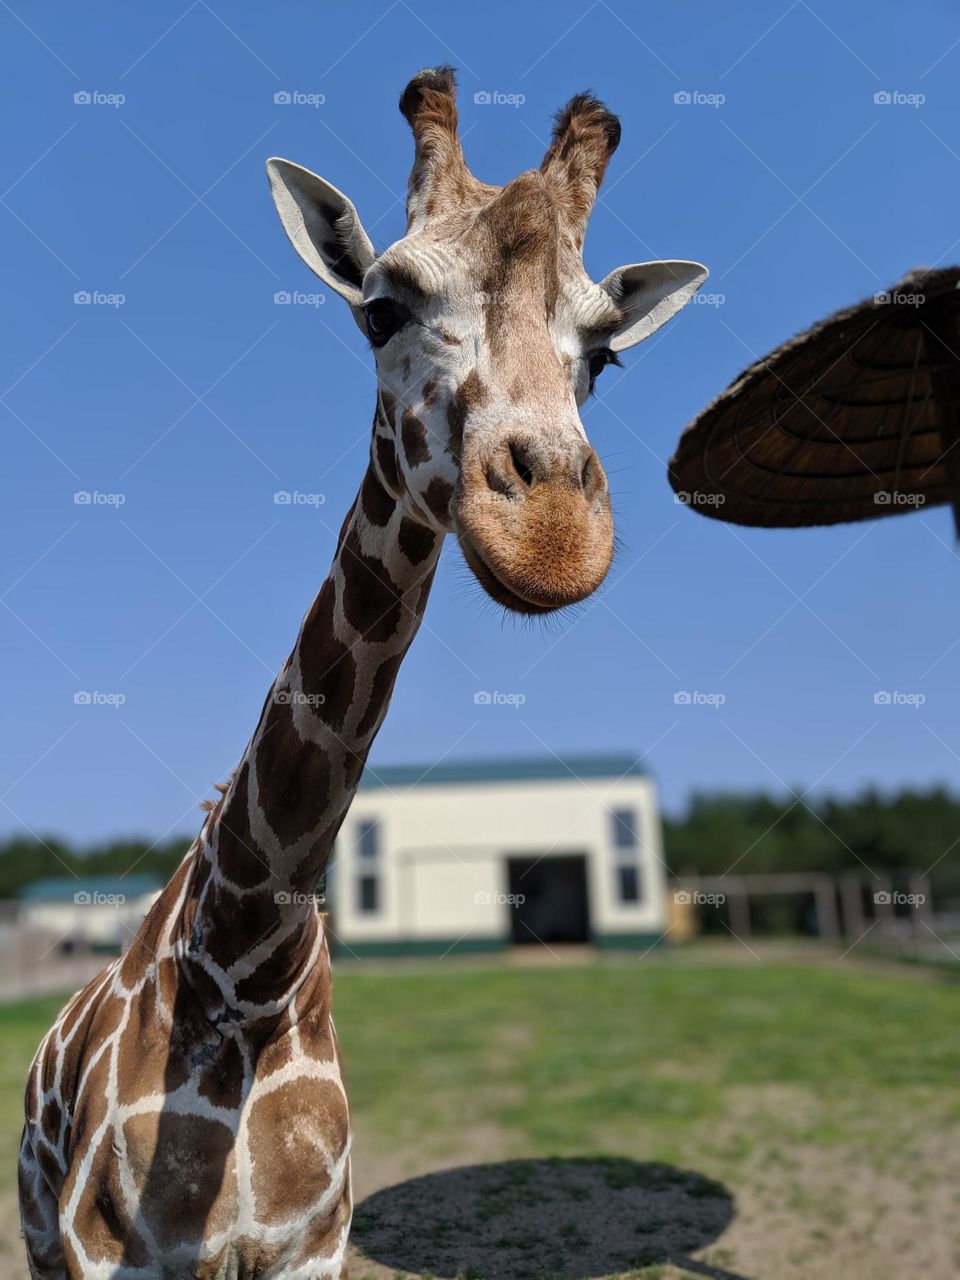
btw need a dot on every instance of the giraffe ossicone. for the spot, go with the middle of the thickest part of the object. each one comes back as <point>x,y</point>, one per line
<point>185,1115</point>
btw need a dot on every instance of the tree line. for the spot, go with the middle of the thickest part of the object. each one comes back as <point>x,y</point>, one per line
<point>25,859</point>
<point>907,830</point>
<point>910,830</point>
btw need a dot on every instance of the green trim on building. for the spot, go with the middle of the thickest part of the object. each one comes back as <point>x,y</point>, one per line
<point>447,773</point>
<point>426,947</point>
<point>66,888</point>
<point>420,947</point>
<point>626,941</point>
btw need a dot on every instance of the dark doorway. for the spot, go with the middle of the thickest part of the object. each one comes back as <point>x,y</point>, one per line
<point>549,900</point>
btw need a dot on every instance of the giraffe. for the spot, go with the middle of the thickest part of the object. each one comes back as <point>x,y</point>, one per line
<point>186,1115</point>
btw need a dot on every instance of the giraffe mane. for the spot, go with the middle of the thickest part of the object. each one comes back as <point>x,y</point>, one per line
<point>213,806</point>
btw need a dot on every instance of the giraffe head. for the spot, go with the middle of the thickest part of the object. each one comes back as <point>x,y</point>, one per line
<point>488,336</point>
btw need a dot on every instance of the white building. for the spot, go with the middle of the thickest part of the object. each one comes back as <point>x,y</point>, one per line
<point>83,911</point>
<point>479,857</point>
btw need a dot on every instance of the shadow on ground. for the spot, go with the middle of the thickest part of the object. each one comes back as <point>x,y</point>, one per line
<point>554,1219</point>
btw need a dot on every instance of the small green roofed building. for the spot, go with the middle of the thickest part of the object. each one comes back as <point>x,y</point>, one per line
<point>92,911</point>
<point>482,856</point>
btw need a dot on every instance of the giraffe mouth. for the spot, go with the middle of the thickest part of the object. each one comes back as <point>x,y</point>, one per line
<point>498,590</point>
<point>534,522</point>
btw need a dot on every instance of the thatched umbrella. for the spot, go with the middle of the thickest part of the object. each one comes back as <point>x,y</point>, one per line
<point>856,418</point>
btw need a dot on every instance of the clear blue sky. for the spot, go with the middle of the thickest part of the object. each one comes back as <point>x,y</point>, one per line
<point>198,397</point>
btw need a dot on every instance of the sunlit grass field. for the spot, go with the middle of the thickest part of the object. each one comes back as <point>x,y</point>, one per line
<point>822,1098</point>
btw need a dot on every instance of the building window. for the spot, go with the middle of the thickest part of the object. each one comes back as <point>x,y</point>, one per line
<point>368,838</point>
<point>628,882</point>
<point>368,853</point>
<point>367,893</point>
<point>625,829</point>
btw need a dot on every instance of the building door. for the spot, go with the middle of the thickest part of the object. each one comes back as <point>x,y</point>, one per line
<point>549,899</point>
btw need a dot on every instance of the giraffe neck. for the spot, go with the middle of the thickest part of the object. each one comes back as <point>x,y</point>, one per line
<point>251,929</point>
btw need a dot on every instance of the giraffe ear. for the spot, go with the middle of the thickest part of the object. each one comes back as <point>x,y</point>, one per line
<point>648,294</point>
<point>324,228</point>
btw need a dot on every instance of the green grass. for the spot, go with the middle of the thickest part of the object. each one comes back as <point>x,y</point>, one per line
<point>569,1061</point>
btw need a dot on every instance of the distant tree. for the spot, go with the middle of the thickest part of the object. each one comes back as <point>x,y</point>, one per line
<point>909,830</point>
<point>23,859</point>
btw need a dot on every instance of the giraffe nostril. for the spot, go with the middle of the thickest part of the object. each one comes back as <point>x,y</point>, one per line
<point>591,475</point>
<point>520,463</point>
<point>521,467</point>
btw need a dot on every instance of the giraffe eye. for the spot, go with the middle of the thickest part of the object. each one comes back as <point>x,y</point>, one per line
<point>384,317</point>
<point>598,360</point>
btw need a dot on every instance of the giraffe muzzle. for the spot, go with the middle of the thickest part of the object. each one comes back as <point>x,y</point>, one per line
<point>534,521</point>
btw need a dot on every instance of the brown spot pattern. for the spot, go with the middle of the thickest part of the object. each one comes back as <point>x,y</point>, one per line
<point>51,1118</point>
<point>289,1128</point>
<point>469,396</point>
<point>221,1081</point>
<point>414,436</point>
<point>371,600</point>
<point>387,462</point>
<point>377,504</point>
<point>239,857</point>
<point>295,774</point>
<point>416,540</point>
<point>328,670</point>
<point>102,1221</point>
<point>184,1168</point>
<point>381,689</point>
<point>438,495</point>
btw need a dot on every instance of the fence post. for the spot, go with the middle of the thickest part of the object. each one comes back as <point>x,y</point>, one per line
<point>851,891</point>
<point>826,900</point>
